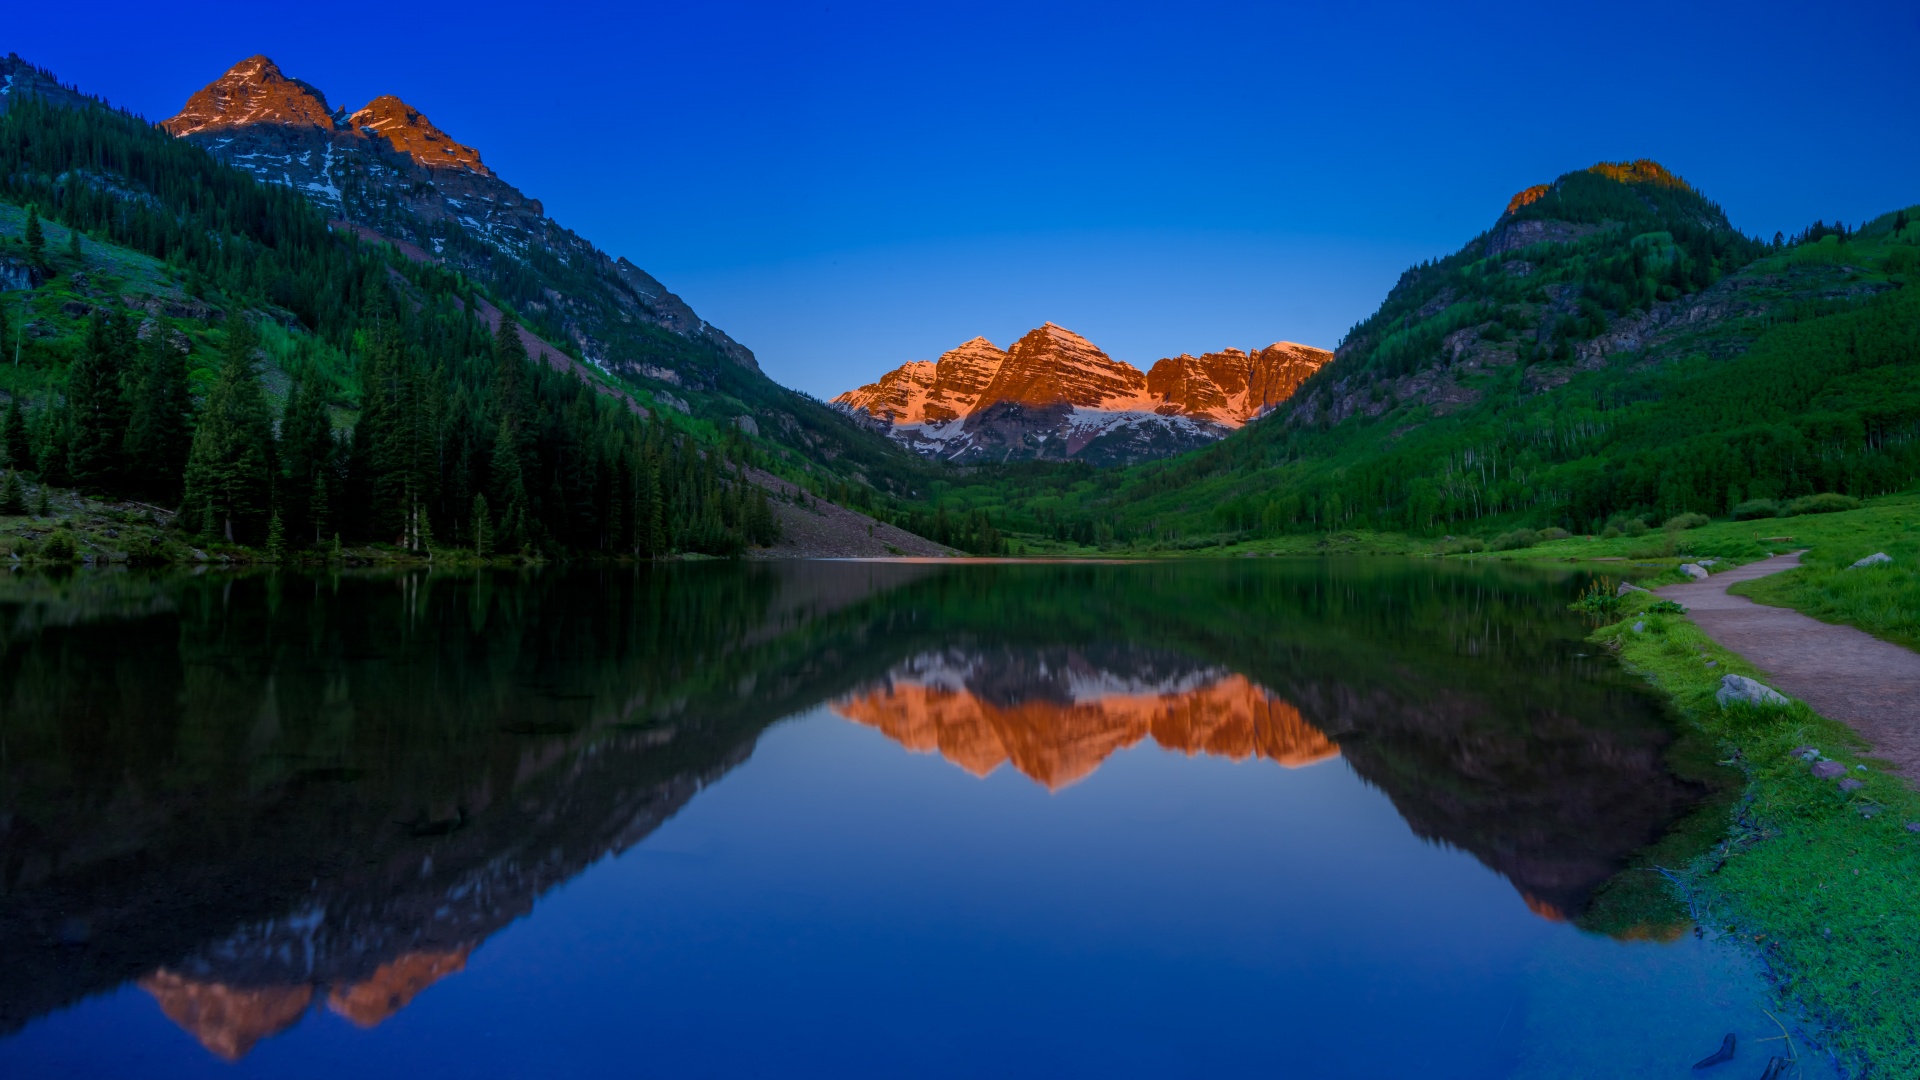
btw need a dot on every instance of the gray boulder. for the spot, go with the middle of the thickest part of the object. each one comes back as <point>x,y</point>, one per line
<point>1740,690</point>
<point>1878,558</point>
<point>1627,587</point>
<point>1694,571</point>
<point>1827,770</point>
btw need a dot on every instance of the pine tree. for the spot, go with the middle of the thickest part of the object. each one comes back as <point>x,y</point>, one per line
<point>36,237</point>
<point>306,455</point>
<point>509,490</point>
<point>97,404</point>
<point>41,506</point>
<point>482,528</point>
<point>158,435</point>
<point>16,446</point>
<point>13,496</point>
<point>318,509</point>
<point>276,540</point>
<point>229,476</point>
<point>73,245</point>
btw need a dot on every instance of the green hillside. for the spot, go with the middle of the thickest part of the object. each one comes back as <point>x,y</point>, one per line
<point>194,338</point>
<point>1611,350</point>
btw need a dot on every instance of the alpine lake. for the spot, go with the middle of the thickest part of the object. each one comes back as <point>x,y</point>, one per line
<point>1302,818</point>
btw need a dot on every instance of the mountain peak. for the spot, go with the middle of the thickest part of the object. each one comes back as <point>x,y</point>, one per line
<point>1637,171</point>
<point>253,91</point>
<point>409,132</point>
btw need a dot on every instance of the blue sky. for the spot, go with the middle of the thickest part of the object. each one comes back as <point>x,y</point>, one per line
<point>843,187</point>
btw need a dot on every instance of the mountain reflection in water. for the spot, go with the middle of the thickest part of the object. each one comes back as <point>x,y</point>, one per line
<point>1056,714</point>
<point>257,796</point>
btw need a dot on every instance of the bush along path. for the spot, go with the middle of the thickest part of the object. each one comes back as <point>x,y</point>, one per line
<point>1815,872</point>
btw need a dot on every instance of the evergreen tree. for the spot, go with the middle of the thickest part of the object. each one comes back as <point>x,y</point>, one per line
<point>229,477</point>
<point>16,445</point>
<point>73,245</point>
<point>482,528</point>
<point>276,540</point>
<point>158,436</point>
<point>97,405</point>
<point>307,457</point>
<point>509,490</point>
<point>13,496</point>
<point>36,237</point>
<point>319,510</point>
<point>50,445</point>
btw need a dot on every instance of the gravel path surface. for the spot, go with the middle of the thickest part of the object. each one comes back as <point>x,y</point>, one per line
<point>1843,673</point>
<point>824,530</point>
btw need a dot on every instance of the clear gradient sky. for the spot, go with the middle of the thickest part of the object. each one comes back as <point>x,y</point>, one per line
<point>843,187</point>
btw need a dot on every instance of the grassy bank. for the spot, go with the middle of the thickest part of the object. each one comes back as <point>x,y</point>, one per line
<point>1816,879</point>
<point>1883,600</point>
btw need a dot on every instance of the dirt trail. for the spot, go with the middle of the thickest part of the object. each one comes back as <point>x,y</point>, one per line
<point>1843,673</point>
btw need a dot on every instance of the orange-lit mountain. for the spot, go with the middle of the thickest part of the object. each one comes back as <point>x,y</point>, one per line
<point>386,168</point>
<point>1056,722</point>
<point>1055,395</point>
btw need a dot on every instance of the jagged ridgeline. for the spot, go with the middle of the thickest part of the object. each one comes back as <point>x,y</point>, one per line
<point>1612,348</point>
<point>157,275</point>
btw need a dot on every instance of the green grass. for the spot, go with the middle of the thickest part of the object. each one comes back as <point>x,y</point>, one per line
<point>1817,881</point>
<point>1883,600</point>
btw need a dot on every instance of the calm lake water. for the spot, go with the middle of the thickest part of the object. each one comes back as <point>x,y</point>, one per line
<point>1260,818</point>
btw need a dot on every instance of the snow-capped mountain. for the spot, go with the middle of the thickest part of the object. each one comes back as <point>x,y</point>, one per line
<point>1055,395</point>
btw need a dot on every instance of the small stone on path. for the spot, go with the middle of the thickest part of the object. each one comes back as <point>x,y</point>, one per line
<point>1694,571</point>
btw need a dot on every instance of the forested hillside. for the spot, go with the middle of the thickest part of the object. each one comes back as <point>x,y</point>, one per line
<point>1611,351</point>
<point>162,285</point>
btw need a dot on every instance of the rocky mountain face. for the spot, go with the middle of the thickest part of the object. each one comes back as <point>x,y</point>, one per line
<point>19,79</point>
<point>1055,395</point>
<point>388,169</point>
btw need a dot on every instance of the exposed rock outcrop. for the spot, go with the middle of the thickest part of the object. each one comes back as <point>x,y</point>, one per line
<point>1054,395</point>
<point>389,172</point>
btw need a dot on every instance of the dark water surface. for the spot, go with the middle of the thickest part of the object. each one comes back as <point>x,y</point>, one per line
<point>1211,819</point>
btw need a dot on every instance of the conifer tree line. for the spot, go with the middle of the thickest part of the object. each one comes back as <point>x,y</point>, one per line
<point>461,439</point>
<point>451,434</point>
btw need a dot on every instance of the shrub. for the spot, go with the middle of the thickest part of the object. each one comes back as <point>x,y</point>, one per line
<point>1824,503</point>
<point>59,547</point>
<point>1664,607</point>
<point>1636,526</point>
<point>1611,532</point>
<point>1601,597</point>
<point>1513,541</point>
<point>1465,545</point>
<point>1756,508</point>
<point>1682,522</point>
<point>1555,533</point>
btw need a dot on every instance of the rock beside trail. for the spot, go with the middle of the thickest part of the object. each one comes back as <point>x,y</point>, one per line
<point>1627,587</point>
<point>1694,571</point>
<point>1827,770</point>
<point>1850,784</point>
<point>1738,689</point>
<point>1876,559</point>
